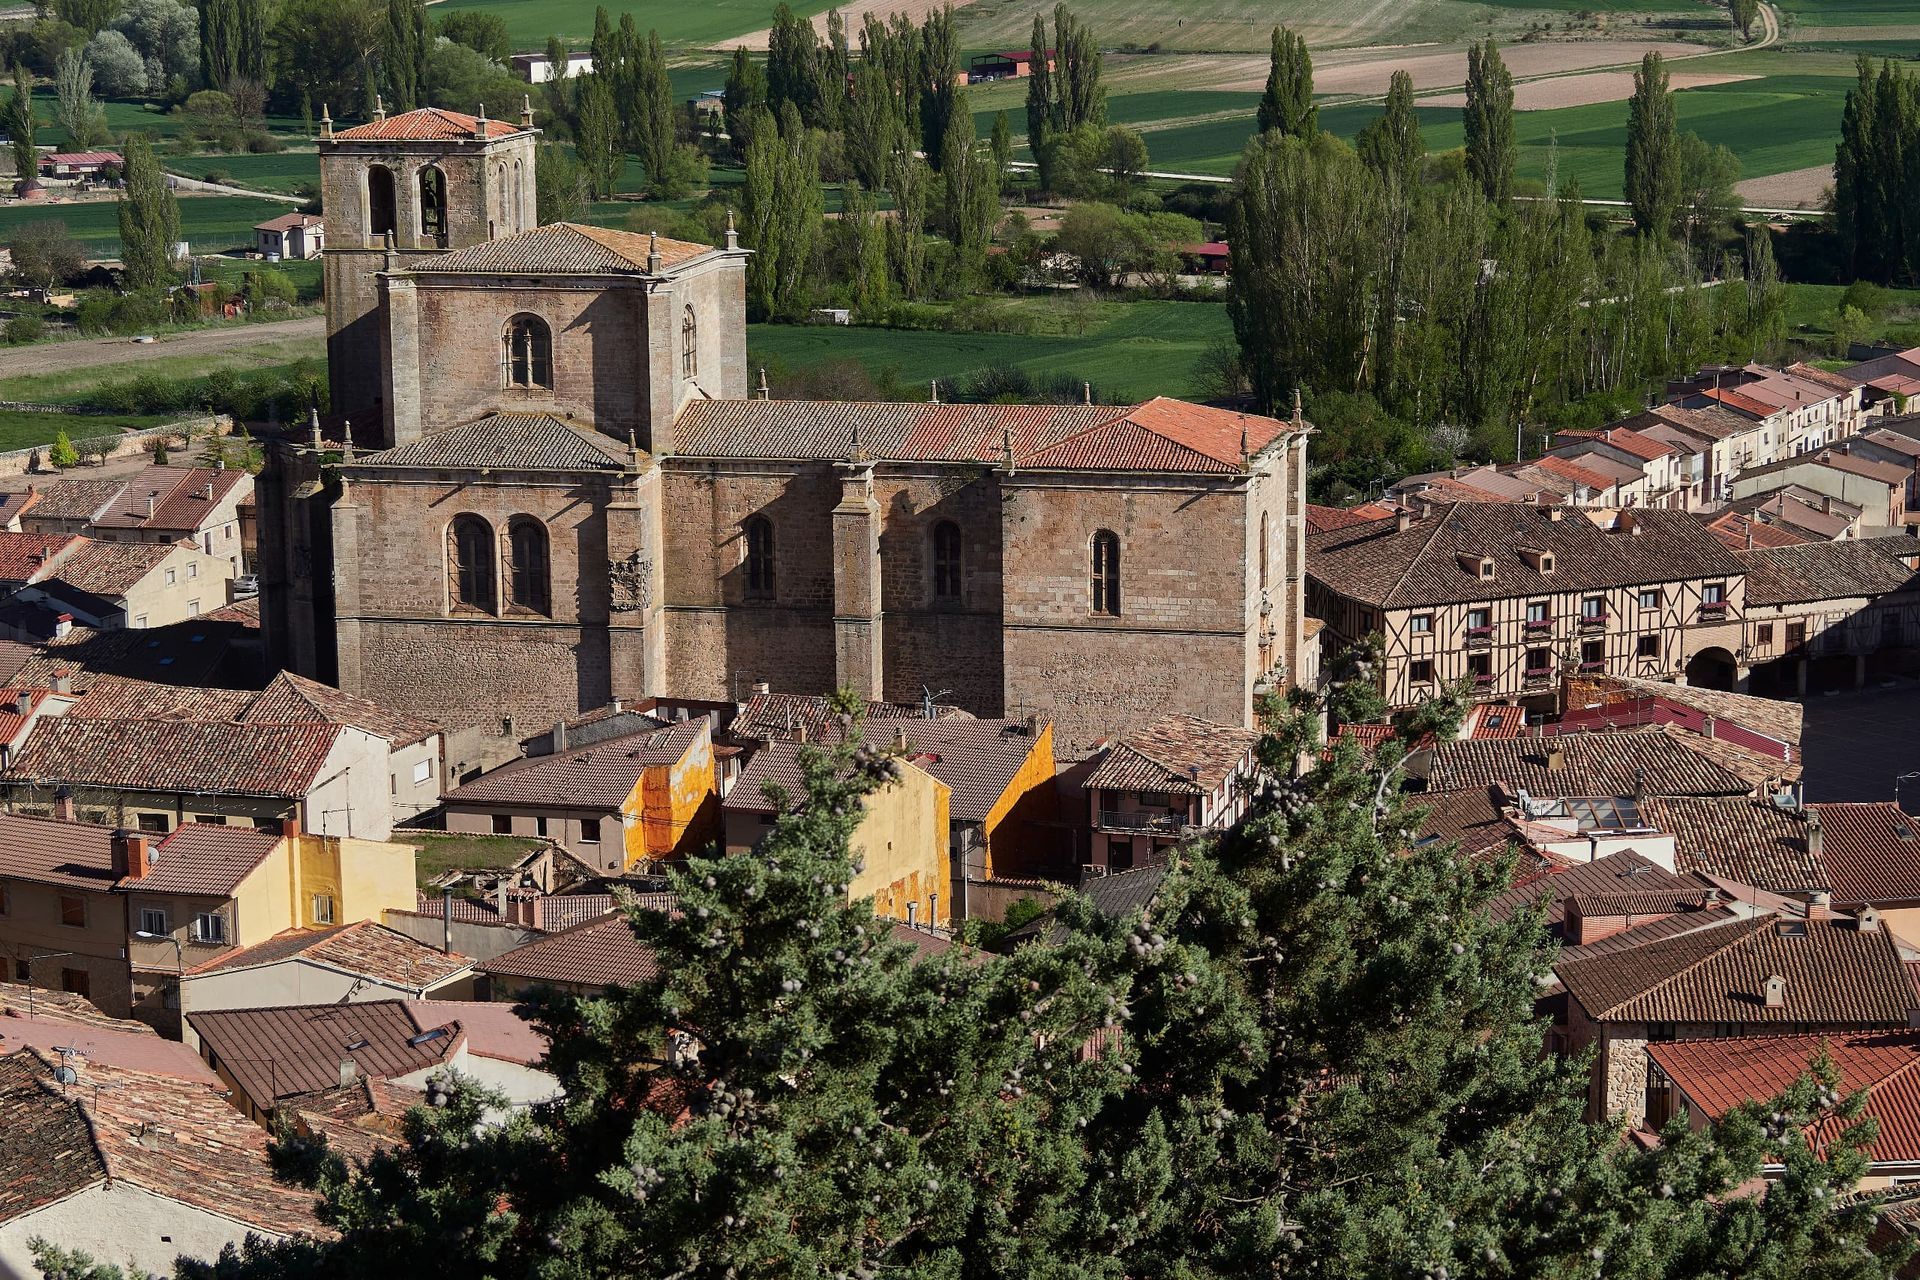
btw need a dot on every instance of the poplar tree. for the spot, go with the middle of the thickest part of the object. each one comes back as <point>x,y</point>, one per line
<point>20,121</point>
<point>1039,90</point>
<point>1287,106</point>
<point>1001,147</point>
<point>597,137</point>
<point>149,217</point>
<point>658,136</point>
<point>875,132</point>
<point>75,109</point>
<point>867,235</point>
<point>906,243</point>
<point>408,44</point>
<point>1391,144</point>
<point>1653,150</point>
<point>1081,97</point>
<point>219,42</point>
<point>783,214</point>
<point>1742,13</point>
<point>744,98</point>
<point>1488,119</point>
<point>940,99</point>
<point>972,205</point>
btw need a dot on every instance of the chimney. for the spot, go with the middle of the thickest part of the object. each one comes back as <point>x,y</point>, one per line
<point>900,738</point>
<point>1819,904</point>
<point>1776,992</point>
<point>149,506</point>
<point>63,681</point>
<point>1402,521</point>
<point>446,920</point>
<point>131,859</point>
<point>1556,758</point>
<point>290,828</point>
<point>349,1073</point>
<point>1816,838</point>
<point>23,702</point>
<point>559,736</point>
<point>1555,513</point>
<point>63,804</point>
<point>761,688</point>
<point>63,626</point>
<point>799,733</point>
<point>1867,921</point>
<point>1033,725</point>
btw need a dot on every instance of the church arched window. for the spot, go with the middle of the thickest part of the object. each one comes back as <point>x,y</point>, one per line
<point>946,561</point>
<point>759,558</point>
<point>1105,577</point>
<point>433,206</point>
<point>519,197</point>
<point>528,585</point>
<point>529,355</point>
<point>689,344</point>
<point>380,205</point>
<point>470,563</point>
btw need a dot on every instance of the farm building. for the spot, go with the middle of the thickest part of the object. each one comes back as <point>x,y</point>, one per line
<point>983,67</point>
<point>78,164</point>
<point>291,235</point>
<point>537,68</point>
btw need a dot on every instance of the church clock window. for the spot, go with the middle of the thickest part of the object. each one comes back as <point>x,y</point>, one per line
<point>470,548</point>
<point>528,587</point>
<point>433,206</point>
<point>689,344</point>
<point>380,203</point>
<point>946,561</point>
<point>759,558</point>
<point>529,353</point>
<point>1105,582</point>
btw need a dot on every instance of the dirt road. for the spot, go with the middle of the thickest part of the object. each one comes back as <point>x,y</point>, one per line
<point>54,356</point>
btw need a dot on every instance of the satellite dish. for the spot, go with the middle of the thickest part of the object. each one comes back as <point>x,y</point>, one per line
<point>66,1075</point>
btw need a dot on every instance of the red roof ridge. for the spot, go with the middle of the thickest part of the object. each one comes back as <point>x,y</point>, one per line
<point>1754,923</point>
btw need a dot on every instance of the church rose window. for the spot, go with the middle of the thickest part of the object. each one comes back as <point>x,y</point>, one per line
<point>527,556</point>
<point>946,560</point>
<point>470,548</point>
<point>760,558</point>
<point>1106,573</point>
<point>529,353</point>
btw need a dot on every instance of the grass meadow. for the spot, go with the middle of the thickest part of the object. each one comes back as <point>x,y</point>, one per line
<point>210,224</point>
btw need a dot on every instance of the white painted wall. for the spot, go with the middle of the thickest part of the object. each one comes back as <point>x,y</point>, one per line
<point>118,1224</point>
<point>521,1084</point>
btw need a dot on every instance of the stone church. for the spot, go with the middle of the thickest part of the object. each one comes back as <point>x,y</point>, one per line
<point>558,486</point>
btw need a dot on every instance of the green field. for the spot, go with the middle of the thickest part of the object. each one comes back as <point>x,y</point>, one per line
<point>285,171</point>
<point>25,430</point>
<point>1139,350</point>
<point>76,385</point>
<point>679,22</point>
<point>209,223</point>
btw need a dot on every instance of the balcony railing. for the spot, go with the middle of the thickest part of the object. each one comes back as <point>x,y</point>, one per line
<point>1483,680</point>
<point>1479,637</point>
<point>1592,666</point>
<point>1539,624</point>
<point>1171,824</point>
<point>1713,608</point>
<point>1539,673</point>
<point>1591,620</point>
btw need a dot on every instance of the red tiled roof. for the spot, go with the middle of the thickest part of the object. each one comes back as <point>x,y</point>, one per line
<point>292,699</point>
<point>1734,400</point>
<point>289,221</point>
<point>201,858</point>
<point>600,776</point>
<point>111,569</point>
<point>1321,518</point>
<point>978,759</point>
<point>1633,442</point>
<point>1594,764</point>
<point>28,557</point>
<point>1575,472</point>
<point>66,855</point>
<point>17,1000</point>
<point>493,1029</point>
<point>1739,532</point>
<point>427,124</point>
<point>1753,841</point>
<point>1824,571</point>
<point>282,761</point>
<point>179,498</point>
<point>1719,1075</point>
<point>516,441</point>
<point>1175,753</point>
<point>600,953</point>
<point>125,1043</point>
<point>765,716</point>
<point>283,1052</point>
<point>364,948</point>
<point>1871,851</point>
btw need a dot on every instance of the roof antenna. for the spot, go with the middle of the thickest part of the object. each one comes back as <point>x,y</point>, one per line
<point>653,253</point>
<point>733,233</point>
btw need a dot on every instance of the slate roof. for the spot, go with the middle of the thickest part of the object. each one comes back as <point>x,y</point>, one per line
<point>599,776</point>
<point>364,948</point>
<point>283,1052</point>
<point>66,855</point>
<point>1753,841</point>
<point>282,761</point>
<point>1178,753</point>
<point>1382,565</point>
<point>1161,435</point>
<point>292,699</point>
<point>1596,764</point>
<point>1824,571</point>
<point>173,1138</point>
<point>1719,1075</point>
<point>564,249</point>
<point>599,953</point>
<point>201,858</point>
<point>427,124</point>
<point>111,569</point>
<point>1835,973</point>
<point>514,441</point>
<point>28,557</point>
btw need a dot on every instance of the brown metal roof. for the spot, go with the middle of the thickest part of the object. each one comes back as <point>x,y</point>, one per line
<point>283,1052</point>
<point>518,441</point>
<point>600,953</point>
<point>565,249</point>
<point>599,776</point>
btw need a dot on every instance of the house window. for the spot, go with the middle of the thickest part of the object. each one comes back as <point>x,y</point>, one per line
<point>211,819</point>
<point>1539,662</point>
<point>1647,646</point>
<point>1796,634</point>
<point>210,926</point>
<point>1713,593</point>
<point>1593,654</point>
<point>1593,608</point>
<point>1420,671</point>
<point>433,206</point>
<point>1104,579</point>
<point>1480,667</point>
<point>689,344</point>
<point>153,920</point>
<point>1650,598</point>
<point>155,822</point>
<point>946,561</point>
<point>527,555</point>
<point>1537,611</point>
<point>323,908</point>
<point>140,622</point>
<point>380,202</point>
<point>540,826</point>
<point>193,608</point>
<point>1479,620</point>
<point>173,576</point>
<point>193,570</point>
<point>1763,634</point>
<point>590,830</point>
<point>73,912</point>
<point>422,770</point>
<point>1421,624</point>
<point>470,547</point>
<point>760,560</point>
<point>503,824</point>
<point>529,345</point>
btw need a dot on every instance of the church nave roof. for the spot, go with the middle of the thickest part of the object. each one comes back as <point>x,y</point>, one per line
<point>523,441</point>
<point>565,249</point>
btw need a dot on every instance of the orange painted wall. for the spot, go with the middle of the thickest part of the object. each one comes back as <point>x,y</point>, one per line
<point>1017,842</point>
<point>675,810</point>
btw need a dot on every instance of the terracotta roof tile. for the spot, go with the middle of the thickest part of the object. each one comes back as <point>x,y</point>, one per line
<point>599,776</point>
<point>564,248</point>
<point>74,499</point>
<point>978,759</point>
<point>290,221</point>
<point>292,699</point>
<point>279,1053</point>
<point>167,498</point>
<point>600,953</point>
<point>1871,851</point>
<point>28,557</point>
<point>17,1000</point>
<point>515,441</point>
<point>1640,446</point>
<point>1623,874</point>
<point>201,858</point>
<point>427,124</point>
<point>1739,532</point>
<point>1752,841</point>
<point>1595,764</point>
<point>783,715</point>
<point>1824,571</point>
<point>364,948</point>
<point>67,855</point>
<point>111,569</point>
<point>1580,474</point>
<point>1175,753</point>
<point>1320,519</point>
<point>1474,818</point>
<point>276,760</point>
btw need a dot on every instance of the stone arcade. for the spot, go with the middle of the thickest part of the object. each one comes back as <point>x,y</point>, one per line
<point>573,494</point>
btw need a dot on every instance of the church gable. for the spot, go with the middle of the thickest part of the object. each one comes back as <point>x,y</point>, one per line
<point>518,441</point>
<point>568,248</point>
<point>428,124</point>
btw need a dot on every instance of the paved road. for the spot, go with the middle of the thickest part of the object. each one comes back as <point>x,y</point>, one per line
<point>54,356</point>
<point>1856,743</point>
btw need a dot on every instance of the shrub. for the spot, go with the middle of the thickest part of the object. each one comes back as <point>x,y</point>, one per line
<point>62,454</point>
<point>24,329</point>
<point>264,144</point>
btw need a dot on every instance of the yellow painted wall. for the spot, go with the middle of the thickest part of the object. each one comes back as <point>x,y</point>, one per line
<point>904,840</point>
<point>363,877</point>
<point>264,900</point>
<point>676,807</point>
<point>1028,799</point>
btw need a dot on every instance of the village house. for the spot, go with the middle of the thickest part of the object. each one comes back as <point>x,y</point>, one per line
<point>159,503</point>
<point>1674,473</point>
<point>1800,408</point>
<point>619,806</point>
<point>136,584</point>
<point>1153,788</point>
<point>583,961</point>
<point>1828,615</point>
<point>1838,475</point>
<point>290,237</point>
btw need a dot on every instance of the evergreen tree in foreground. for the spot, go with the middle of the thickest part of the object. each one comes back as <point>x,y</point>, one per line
<point>149,218</point>
<point>1488,117</point>
<point>1288,102</point>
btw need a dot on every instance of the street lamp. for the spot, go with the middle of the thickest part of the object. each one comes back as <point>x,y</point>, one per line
<point>179,955</point>
<point>32,961</point>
